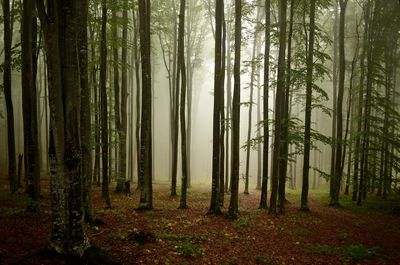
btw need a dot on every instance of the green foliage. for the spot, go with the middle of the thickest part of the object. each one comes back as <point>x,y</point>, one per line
<point>264,260</point>
<point>302,232</point>
<point>356,253</point>
<point>350,253</point>
<point>191,251</point>
<point>243,223</point>
<point>166,235</point>
<point>321,249</point>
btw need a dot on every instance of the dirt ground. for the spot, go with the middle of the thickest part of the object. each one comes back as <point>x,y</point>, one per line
<point>167,235</point>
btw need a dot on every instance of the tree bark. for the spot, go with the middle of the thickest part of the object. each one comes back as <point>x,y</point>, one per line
<point>307,131</point>
<point>31,147</point>
<point>182,69</point>
<point>218,92</point>
<point>8,97</point>
<point>146,190</point>
<point>103,105</point>
<point>278,177</point>
<point>233,205</point>
<point>264,185</point>
<point>61,31</point>
<point>339,133</point>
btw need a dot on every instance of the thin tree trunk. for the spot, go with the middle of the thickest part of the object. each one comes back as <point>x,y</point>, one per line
<point>182,69</point>
<point>124,98</point>
<point>250,116</point>
<point>7,86</point>
<point>307,131</point>
<point>264,186</point>
<point>103,103</point>
<point>234,205</point>
<point>31,148</point>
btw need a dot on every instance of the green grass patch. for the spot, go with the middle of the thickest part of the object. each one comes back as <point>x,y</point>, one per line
<point>302,232</point>
<point>321,249</point>
<point>264,260</point>
<point>350,253</point>
<point>243,223</point>
<point>189,250</point>
<point>356,253</point>
<point>166,236</point>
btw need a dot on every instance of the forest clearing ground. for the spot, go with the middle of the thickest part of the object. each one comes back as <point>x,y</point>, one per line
<point>167,235</point>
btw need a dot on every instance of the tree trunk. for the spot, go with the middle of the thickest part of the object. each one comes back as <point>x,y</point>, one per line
<point>264,186</point>
<point>8,97</point>
<point>31,147</point>
<point>307,131</point>
<point>138,94</point>
<point>337,177</point>
<point>182,69</point>
<point>103,107</point>
<point>218,93</point>
<point>233,206</point>
<point>146,190</point>
<point>61,31</point>
<point>122,130</point>
<point>278,177</point>
<point>86,131</point>
<point>334,96</point>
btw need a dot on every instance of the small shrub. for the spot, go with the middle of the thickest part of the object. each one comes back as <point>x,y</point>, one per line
<point>166,236</point>
<point>302,232</point>
<point>343,236</point>
<point>357,253</point>
<point>321,249</point>
<point>243,223</point>
<point>264,260</point>
<point>188,250</point>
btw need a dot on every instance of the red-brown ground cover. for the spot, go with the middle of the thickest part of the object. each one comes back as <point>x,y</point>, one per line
<point>175,236</point>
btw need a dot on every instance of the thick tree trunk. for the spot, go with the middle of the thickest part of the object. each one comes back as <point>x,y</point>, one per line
<point>278,177</point>
<point>86,131</point>
<point>146,190</point>
<point>337,177</point>
<point>61,31</point>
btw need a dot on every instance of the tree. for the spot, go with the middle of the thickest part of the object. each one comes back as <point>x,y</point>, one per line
<point>278,177</point>
<point>29,108</point>
<point>120,92</point>
<point>218,93</point>
<point>103,104</point>
<point>252,81</point>
<point>182,70</point>
<point>146,190</point>
<point>60,28</point>
<point>7,86</point>
<point>233,205</point>
<point>264,185</point>
<point>86,131</point>
<point>336,178</point>
<point>307,131</point>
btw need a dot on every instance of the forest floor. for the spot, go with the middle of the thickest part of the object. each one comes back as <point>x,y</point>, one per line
<point>167,235</point>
